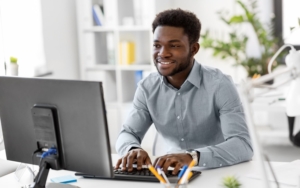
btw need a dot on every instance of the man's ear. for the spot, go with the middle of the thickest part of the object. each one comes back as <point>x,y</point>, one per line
<point>195,48</point>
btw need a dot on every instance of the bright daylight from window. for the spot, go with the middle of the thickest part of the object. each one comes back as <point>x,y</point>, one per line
<point>21,35</point>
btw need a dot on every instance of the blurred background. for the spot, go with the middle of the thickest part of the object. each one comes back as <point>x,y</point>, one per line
<point>110,41</point>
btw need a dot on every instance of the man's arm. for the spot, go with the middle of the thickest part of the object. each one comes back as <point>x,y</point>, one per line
<point>133,132</point>
<point>237,145</point>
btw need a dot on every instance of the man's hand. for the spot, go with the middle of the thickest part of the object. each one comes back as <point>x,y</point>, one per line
<point>176,160</point>
<point>136,155</point>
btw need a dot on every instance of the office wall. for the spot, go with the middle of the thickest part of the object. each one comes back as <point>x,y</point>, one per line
<point>60,38</point>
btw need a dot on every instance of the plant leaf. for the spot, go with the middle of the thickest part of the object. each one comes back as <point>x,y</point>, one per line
<point>236,19</point>
<point>292,28</point>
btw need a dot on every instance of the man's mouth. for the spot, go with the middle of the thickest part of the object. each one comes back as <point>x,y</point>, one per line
<point>165,62</point>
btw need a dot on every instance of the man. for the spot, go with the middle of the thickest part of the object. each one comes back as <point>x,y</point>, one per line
<point>195,108</point>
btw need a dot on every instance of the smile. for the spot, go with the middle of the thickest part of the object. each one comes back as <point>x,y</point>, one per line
<point>165,63</point>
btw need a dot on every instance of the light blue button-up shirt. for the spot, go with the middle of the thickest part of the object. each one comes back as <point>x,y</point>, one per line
<point>205,114</point>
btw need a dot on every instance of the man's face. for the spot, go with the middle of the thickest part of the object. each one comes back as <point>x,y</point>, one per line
<point>171,50</point>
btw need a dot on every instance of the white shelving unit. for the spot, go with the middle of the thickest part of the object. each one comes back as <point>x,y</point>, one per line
<point>100,52</point>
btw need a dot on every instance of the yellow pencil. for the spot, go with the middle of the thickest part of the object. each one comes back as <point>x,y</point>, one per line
<point>192,163</point>
<point>154,172</point>
<point>189,176</point>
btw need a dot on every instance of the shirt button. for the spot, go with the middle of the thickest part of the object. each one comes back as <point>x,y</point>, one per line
<point>182,139</point>
<point>220,164</point>
<point>204,164</point>
<point>178,117</point>
<point>178,93</point>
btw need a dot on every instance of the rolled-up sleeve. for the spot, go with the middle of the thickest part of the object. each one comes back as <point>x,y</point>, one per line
<point>237,145</point>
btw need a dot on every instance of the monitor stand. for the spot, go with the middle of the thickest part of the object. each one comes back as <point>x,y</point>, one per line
<point>47,163</point>
<point>49,148</point>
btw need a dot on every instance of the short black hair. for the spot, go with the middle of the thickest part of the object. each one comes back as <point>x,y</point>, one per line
<point>179,18</point>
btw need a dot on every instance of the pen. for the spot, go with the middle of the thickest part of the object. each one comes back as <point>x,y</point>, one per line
<point>186,174</point>
<point>163,174</point>
<point>154,172</point>
<point>182,172</point>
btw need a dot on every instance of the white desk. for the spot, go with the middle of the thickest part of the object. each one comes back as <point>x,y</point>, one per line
<point>211,178</point>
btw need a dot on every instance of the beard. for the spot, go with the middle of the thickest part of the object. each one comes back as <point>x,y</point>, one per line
<point>183,65</point>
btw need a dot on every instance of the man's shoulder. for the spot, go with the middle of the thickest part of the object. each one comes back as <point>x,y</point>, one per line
<point>152,80</point>
<point>212,74</point>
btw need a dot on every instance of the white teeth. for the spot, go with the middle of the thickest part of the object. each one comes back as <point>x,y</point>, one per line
<point>165,63</point>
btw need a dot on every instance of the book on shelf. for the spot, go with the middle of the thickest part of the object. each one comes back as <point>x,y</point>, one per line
<point>138,75</point>
<point>127,52</point>
<point>110,48</point>
<point>98,14</point>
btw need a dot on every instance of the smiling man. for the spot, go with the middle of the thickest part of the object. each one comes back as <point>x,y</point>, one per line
<point>195,108</point>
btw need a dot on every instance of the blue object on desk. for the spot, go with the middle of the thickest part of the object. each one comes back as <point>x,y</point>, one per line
<point>64,179</point>
<point>182,171</point>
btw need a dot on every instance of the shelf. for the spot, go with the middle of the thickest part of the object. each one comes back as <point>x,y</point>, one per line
<point>100,29</point>
<point>102,50</point>
<point>134,28</point>
<point>101,67</point>
<point>117,28</point>
<point>135,67</point>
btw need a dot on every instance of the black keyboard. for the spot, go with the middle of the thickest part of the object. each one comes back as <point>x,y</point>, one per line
<point>139,175</point>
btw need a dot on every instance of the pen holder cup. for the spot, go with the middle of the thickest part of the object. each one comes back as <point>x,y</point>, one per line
<point>175,185</point>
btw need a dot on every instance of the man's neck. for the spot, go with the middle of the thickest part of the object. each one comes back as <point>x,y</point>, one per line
<point>178,79</point>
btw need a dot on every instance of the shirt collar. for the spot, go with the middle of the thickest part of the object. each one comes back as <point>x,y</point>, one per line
<point>194,76</point>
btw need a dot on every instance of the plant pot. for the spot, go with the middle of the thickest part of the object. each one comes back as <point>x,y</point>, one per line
<point>14,69</point>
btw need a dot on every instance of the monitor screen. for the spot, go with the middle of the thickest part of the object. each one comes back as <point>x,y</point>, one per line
<point>81,116</point>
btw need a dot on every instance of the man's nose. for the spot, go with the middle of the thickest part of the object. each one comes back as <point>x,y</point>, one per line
<point>164,52</point>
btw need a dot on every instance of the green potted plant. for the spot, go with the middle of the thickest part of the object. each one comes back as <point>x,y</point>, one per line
<point>235,47</point>
<point>14,67</point>
<point>231,182</point>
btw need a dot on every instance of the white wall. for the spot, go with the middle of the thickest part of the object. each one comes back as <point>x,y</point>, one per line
<point>60,38</point>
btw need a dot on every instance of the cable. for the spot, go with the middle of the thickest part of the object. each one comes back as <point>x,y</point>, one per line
<point>32,159</point>
<point>51,151</point>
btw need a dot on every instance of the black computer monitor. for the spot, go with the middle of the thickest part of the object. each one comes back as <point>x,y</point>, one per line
<point>69,115</point>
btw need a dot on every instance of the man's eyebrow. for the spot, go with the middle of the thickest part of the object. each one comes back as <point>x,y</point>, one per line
<point>175,40</point>
<point>170,41</point>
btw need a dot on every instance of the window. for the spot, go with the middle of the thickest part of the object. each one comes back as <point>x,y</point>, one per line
<point>21,35</point>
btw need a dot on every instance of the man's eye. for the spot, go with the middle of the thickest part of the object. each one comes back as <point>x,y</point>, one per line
<point>156,46</point>
<point>175,46</point>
